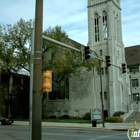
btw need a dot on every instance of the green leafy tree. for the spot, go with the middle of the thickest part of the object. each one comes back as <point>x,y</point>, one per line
<point>19,101</point>
<point>14,53</point>
<point>14,58</point>
<point>65,62</point>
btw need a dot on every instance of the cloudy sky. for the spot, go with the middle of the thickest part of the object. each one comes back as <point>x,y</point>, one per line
<point>71,15</point>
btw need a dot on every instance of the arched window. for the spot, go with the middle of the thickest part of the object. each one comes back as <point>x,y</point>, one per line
<point>96,23</point>
<point>105,35</point>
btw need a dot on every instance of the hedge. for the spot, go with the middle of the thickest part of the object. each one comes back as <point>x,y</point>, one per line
<point>114,119</point>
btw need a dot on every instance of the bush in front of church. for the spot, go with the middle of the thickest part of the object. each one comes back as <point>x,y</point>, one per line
<point>115,119</point>
<point>118,113</point>
<point>87,116</point>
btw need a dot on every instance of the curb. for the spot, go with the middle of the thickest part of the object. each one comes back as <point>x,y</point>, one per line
<point>120,129</point>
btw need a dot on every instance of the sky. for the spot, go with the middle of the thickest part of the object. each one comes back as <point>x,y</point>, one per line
<point>71,15</point>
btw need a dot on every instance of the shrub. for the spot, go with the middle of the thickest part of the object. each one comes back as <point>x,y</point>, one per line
<point>72,117</point>
<point>118,113</point>
<point>52,117</point>
<point>87,116</point>
<point>114,119</point>
<point>78,118</point>
<point>65,116</point>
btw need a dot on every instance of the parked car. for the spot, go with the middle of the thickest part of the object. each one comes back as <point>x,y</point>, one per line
<point>6,120</point>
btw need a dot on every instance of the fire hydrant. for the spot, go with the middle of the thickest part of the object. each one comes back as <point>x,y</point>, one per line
<point>135,125</point>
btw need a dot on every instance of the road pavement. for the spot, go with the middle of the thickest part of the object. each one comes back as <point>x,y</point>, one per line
<point>13,132</point>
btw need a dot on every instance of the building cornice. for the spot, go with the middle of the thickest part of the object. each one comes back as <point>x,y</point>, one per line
<point>104,2</point>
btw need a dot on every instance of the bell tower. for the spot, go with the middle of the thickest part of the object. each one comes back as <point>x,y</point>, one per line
<point>105,38</point>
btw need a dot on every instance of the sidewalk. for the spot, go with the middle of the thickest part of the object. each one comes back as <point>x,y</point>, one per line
<point>108,126</point>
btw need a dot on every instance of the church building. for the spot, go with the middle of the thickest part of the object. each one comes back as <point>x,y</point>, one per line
<point>108,89</point>
<point>104,39</point>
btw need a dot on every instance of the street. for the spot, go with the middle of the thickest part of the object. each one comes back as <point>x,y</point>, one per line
<point>12,132</point>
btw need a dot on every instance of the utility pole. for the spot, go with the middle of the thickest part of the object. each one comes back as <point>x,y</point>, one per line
<point>37,74</point>
<point>100,70</point>
<point>102,101</point>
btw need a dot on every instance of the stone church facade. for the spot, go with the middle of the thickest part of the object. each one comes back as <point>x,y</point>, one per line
<point>104,38</point>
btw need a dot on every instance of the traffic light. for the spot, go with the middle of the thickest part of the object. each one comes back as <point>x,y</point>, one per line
<point>87,52</point>
<point>123,68</point>
<point>108,61</point>
<point>47,81</point>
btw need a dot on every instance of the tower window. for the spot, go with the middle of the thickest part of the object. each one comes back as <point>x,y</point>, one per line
<point>106,70</point>
<point>96,24</point>
<point>135,83</point>
<point>134,69</point>
<point>105,95</point>
<point>101,53</point>
<point>135,96</point>
<point>105,35</point>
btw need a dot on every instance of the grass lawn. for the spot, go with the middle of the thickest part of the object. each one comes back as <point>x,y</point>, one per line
<point>62,121</point>
<point>66,121</point>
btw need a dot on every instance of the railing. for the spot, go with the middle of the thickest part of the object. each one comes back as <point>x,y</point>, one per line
<point>125,107</point>
<point>130,109</point>
<point>126,115</point>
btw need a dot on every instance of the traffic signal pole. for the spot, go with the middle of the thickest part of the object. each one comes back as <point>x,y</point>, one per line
<point>115,66</point>
<point>36,90</point>
<point>102,101</point>
<point>60,43</point>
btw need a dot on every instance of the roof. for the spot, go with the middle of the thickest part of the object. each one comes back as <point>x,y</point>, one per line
<point>75,44</point>
<point>132,55</point>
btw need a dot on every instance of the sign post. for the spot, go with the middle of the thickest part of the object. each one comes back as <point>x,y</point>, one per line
<point>96,114</point>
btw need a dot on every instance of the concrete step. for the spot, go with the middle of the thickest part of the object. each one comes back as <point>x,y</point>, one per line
<point>135,116</point>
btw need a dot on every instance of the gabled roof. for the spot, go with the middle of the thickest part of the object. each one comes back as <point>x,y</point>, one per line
<point>132,55</point>
<point>75,44</point>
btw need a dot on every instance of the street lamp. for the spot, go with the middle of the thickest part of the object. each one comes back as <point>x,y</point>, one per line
<point>102,104</point>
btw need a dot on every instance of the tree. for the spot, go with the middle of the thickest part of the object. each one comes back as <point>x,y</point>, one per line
<point>15,56</point>
<point>14,53</point>
<point>65,62</point>
<point>19,101</point>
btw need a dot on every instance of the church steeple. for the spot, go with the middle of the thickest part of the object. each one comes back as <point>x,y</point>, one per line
<point>103,15</point>
<point>105,38</point>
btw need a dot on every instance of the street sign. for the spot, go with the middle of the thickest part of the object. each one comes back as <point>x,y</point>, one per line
<point>95,57</point>
<point>96,114</point>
